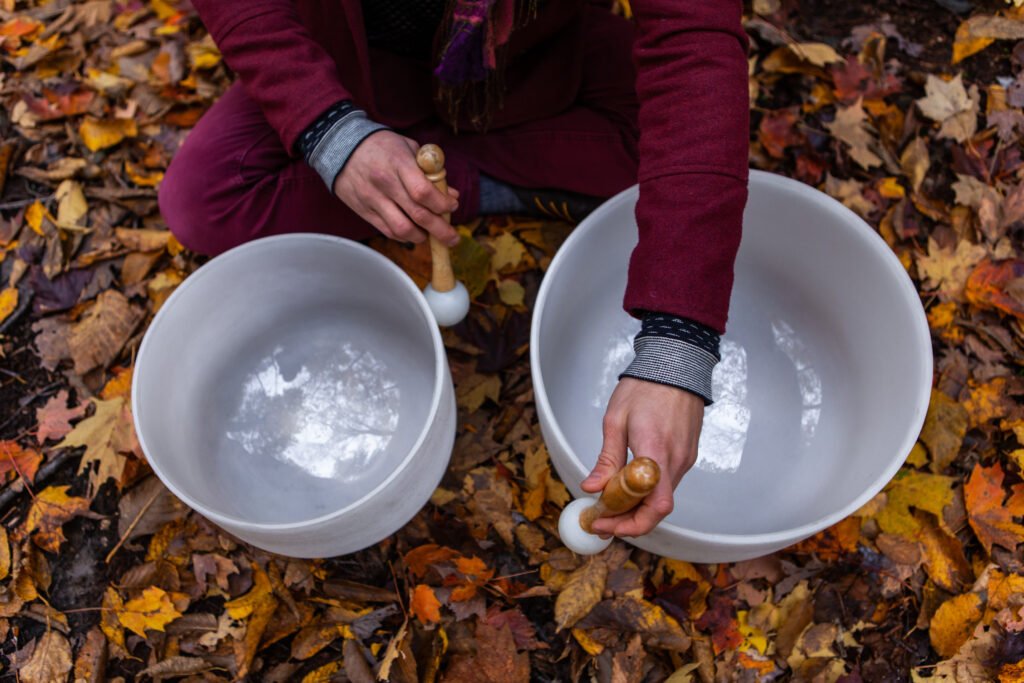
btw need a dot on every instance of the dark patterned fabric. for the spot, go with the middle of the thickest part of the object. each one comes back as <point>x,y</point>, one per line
<point>681,329</point>
<point>309,139</point>
<point>404,27</point>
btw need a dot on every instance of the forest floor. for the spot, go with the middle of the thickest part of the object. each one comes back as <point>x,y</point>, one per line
<point>909,112</point>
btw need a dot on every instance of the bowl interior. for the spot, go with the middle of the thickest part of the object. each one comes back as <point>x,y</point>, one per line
<point>286,379</point>
<point>825,366</point>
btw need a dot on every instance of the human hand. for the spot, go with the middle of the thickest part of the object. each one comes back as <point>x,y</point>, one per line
<point>660,422</point>
<point>382,183</point>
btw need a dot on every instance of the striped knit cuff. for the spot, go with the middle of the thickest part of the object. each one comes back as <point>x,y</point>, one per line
<point>675,351</point>
<point>331,140</point>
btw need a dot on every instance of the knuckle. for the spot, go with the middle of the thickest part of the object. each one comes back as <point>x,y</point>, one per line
<point>421,193</point>
<point>664,506</point>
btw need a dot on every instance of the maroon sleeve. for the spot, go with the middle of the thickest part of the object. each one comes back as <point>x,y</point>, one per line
<point>280,65</point>
<point>694,120</point>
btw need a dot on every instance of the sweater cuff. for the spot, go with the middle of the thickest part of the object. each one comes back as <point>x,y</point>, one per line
<point>329,142</point>
<point>675,351</point>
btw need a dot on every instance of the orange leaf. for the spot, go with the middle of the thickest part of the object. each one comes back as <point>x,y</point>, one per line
<point>425,605</point>
<point>14,458</point>
<point>419,559</point>
<point>997,285</point>
<point>51,508</point>
<point>991,520</point>
<point>954,622</point>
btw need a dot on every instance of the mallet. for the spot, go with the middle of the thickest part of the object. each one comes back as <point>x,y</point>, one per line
<point>447,297</point>
<point>627,488</point>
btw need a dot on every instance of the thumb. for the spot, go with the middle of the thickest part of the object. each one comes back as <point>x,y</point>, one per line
<point>613,453</point>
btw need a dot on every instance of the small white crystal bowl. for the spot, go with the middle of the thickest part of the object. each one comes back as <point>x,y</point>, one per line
<point>295,391</point>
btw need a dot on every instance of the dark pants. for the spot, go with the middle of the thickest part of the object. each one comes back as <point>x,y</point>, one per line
<point>232,180</point>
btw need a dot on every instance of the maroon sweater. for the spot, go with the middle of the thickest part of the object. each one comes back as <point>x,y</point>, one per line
<point>296,58</point>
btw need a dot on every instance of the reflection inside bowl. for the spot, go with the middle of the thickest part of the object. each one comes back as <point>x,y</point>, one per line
<point>328,414</point>
<point>727,420</point>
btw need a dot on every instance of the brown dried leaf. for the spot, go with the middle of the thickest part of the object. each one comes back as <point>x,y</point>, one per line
<point>495,661</point>
<point>582,591</point>
<point>51,660</point>
<point>55,417</point>
<point>96,340</point>
<point>107,435</point>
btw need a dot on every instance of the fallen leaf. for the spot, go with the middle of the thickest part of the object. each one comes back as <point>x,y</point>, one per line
<point>471,392</point>
<point>954,622</point>
<point>818,54</point>
<point>509,252</point>
<point>947,270</point>
<point>107,435</point>
<point>495,660</point>
<point>980,31</point>
<point>944,430</point>
<point>998,285</point>
<point>626,616</point>
<point>849,128</point>
<point>50,662</point>
<point>50,509</point>
<point>99,134</point>
<point>511,293</point>
<point>96,340</point>
<point>18,461</point>
<point>582,591</point>
<point>8,302</point>
<point>424,605</point>
<point>153,610</point>
<point>915,162</point>
<point>990,517</point>
<point>55,417</point>
<point>949,104</point>
<point>929,492</point>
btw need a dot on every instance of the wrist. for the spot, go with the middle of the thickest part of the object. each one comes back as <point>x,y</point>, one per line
<point>676,352</point>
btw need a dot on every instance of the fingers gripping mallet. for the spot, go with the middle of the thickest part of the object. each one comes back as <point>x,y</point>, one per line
<point>447,298</point>
<point>627,488</point>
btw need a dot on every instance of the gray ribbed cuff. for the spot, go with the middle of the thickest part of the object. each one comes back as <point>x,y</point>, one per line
<point>670,361</point>
<point>338,143</point>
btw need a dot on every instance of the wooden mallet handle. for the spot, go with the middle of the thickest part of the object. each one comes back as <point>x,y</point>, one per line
<point>627,488</point>
<point>431,161</point>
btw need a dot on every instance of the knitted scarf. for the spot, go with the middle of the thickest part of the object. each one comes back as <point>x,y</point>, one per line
<point>469,68</point>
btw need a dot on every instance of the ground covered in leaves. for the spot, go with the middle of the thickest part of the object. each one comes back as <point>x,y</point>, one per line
<point>912,118</point>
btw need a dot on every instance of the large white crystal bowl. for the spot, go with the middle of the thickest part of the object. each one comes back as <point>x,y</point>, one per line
<point>295,391</point>
<point>820,395</point>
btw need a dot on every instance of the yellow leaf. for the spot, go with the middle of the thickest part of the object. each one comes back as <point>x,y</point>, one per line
<point>591,646</point>
<point>141,177</point>
<point>954,622</point>
<point>162,286</point>
<point>930,492</point>
<point>890,188</point>
<point>153,610</point>
<point>204,53</point>
<point>107,436</point>
<point>475,389</point>
<point>143,239</point>
<point>109,624</point>
<point>511,293</point>
<point>818,54</point>
<point>508,251</point>
<point>988,401</point>
<point>243,606</point>
<point>5,554</point>
<point>34,216</point>
<point>8,302</point>
<point>965,44</point>
<point>581,592</point>
<point>71,206</point>
<point>918,456</point>
<point>753,637</point>
<point>944,430</point>
<point>107,83</point>
<point>50,661</point>
<point>324,674</point>
<point>948,269</point>
<point>51,508</point>
<point>120,385</point>
<point>99,134</point>
<point>424,605</point>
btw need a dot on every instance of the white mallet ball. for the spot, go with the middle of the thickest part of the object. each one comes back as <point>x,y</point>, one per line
<point>573,535</point>
<point>449,308</point>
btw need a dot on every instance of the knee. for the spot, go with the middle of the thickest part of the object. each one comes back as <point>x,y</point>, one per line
<point>189,203</point>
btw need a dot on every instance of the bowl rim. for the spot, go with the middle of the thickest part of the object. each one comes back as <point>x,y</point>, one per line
<point>240,251</point>
<point>861,230</point>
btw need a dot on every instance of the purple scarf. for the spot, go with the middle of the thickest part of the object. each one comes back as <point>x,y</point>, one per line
<point>478,28</point>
